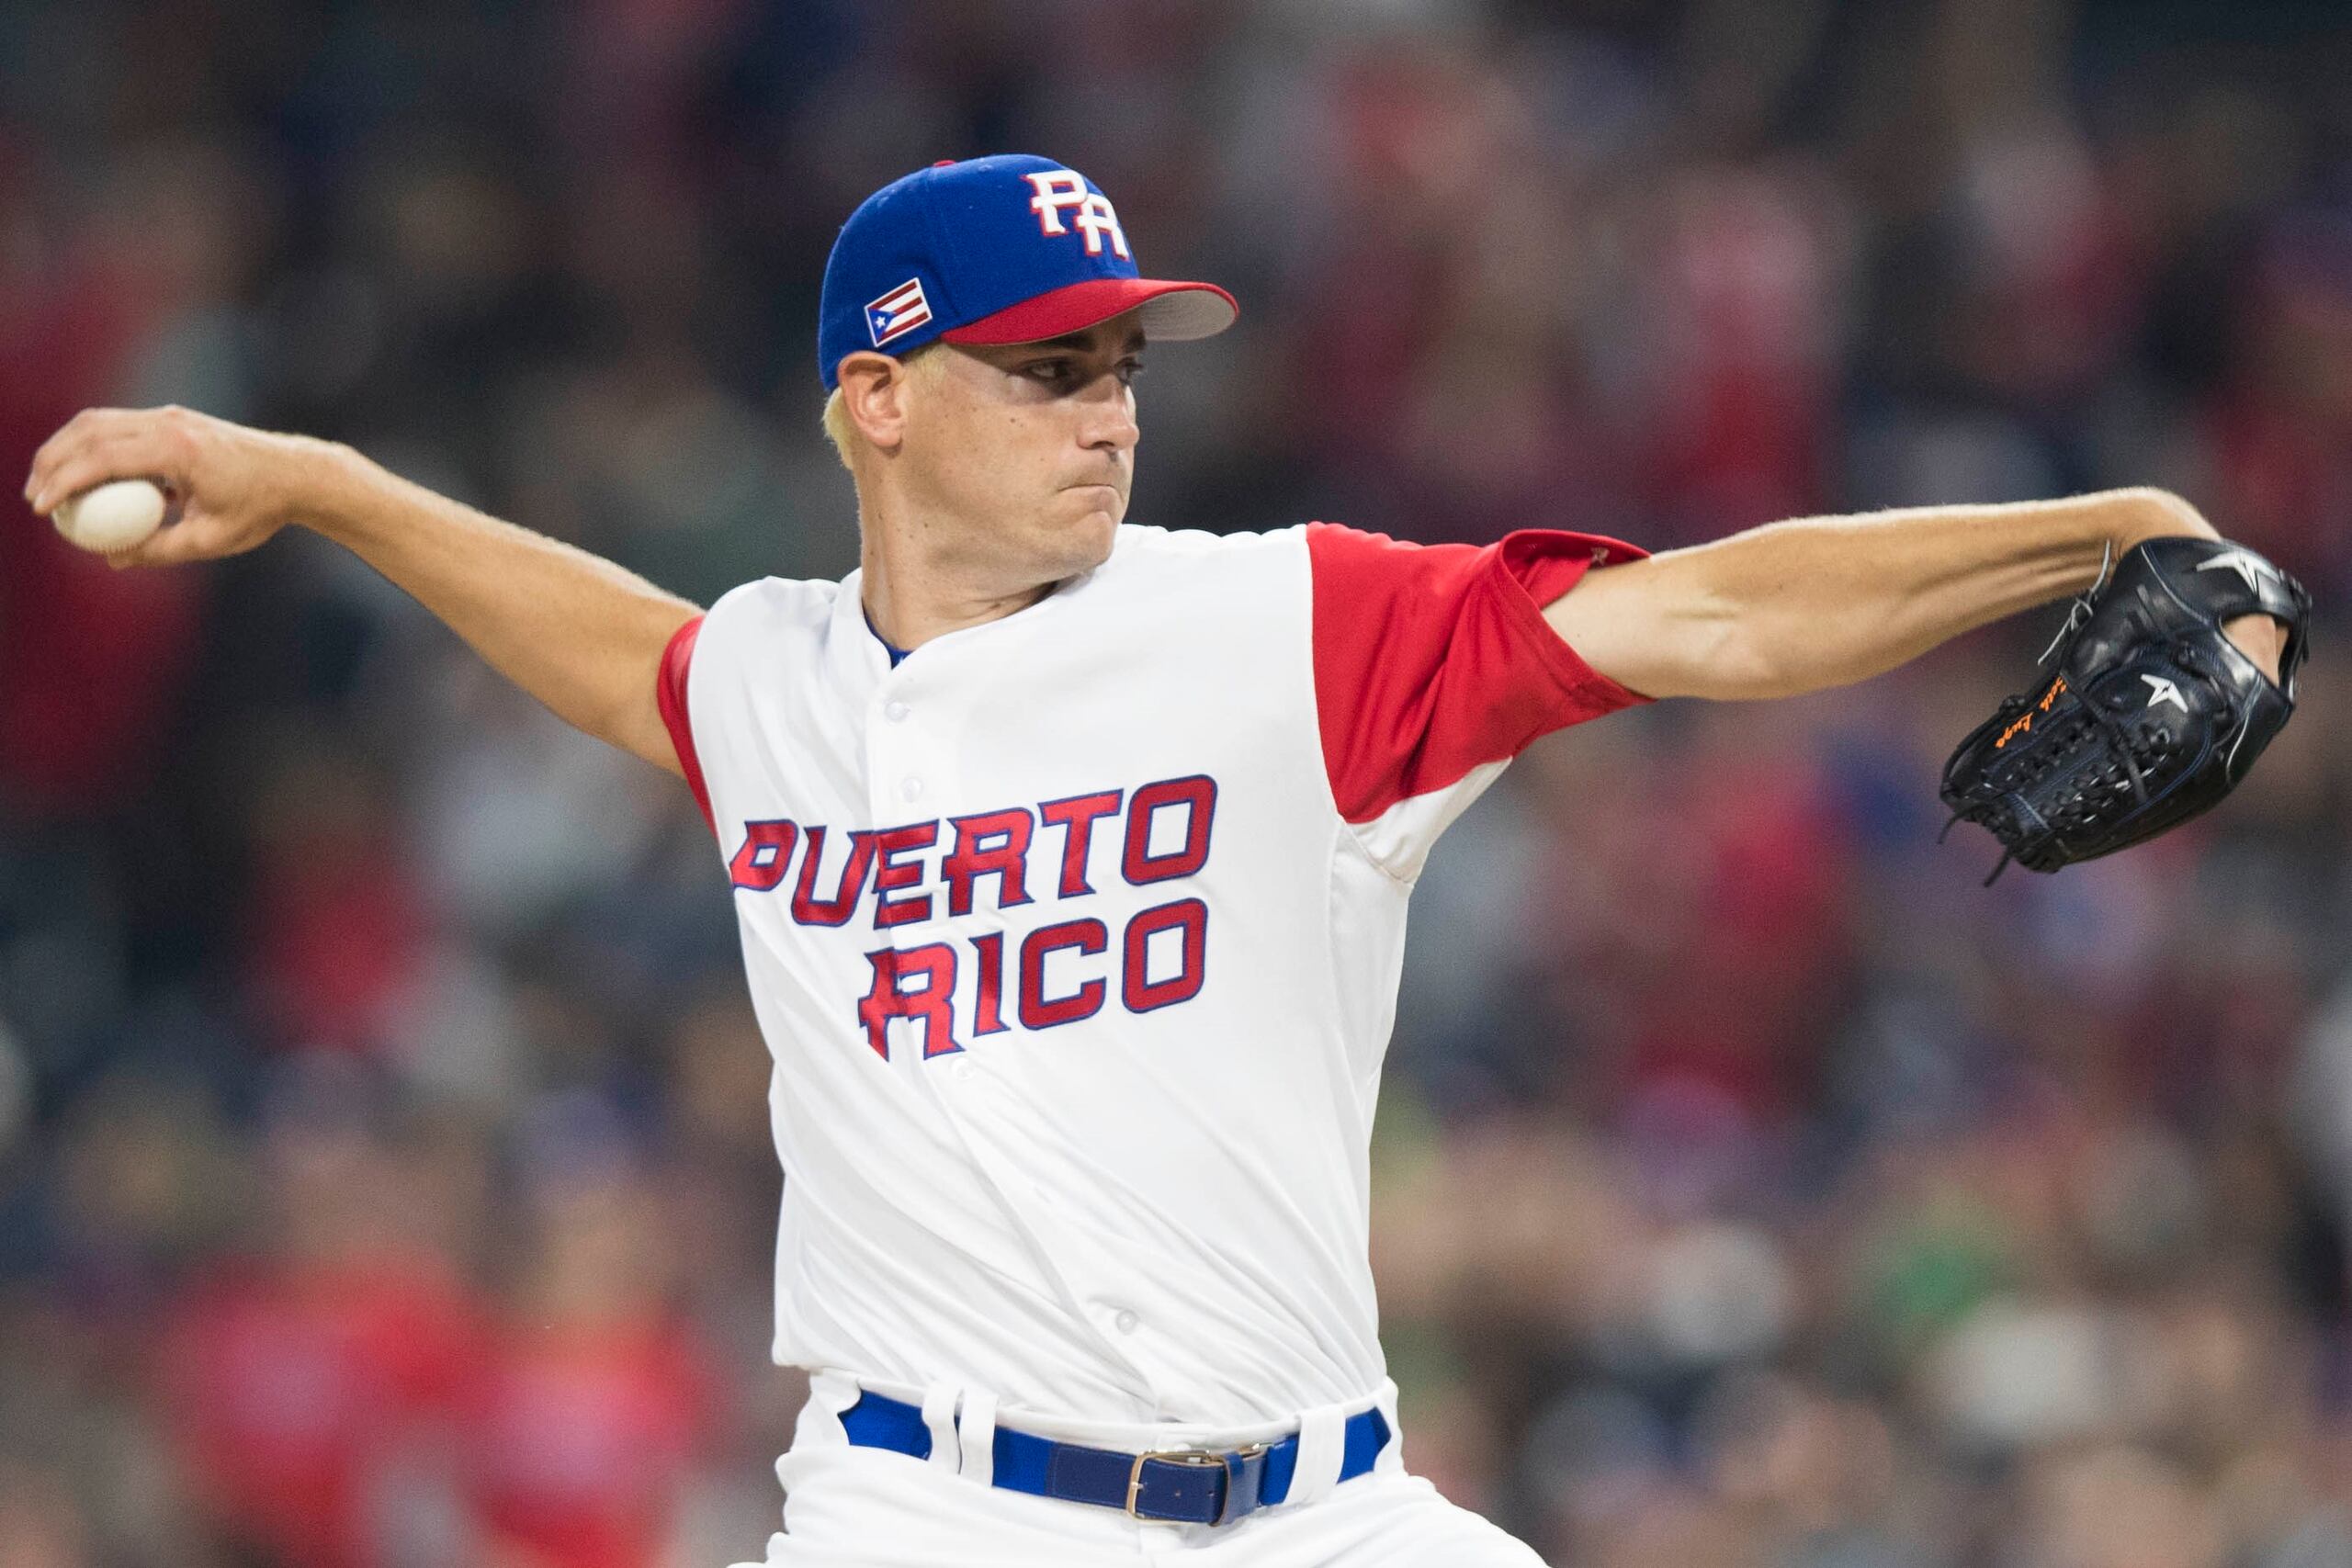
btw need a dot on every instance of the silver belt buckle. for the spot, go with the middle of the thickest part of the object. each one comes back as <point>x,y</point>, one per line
<point>1197,1458</point>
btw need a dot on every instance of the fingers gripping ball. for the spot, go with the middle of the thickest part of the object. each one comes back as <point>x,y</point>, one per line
<point>2151,715</point>
<point>111,518</point>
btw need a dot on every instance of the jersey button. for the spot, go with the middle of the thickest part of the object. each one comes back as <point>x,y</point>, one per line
<point>1127,1322</point>
<point>910,787</point>
<point>896,711</point>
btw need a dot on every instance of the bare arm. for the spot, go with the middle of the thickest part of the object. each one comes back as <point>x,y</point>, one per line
<point>577,632</point>
<point>1822,602</point>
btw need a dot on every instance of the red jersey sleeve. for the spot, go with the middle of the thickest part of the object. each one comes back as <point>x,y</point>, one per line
<point>1433,659</point>
<point>669,695</point>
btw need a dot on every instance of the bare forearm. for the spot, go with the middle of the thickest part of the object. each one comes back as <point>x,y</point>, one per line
<point>578,633</point>
<point>1823,602</point>
<point>582,635</point>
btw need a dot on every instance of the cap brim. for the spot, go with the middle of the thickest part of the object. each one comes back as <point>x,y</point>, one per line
<point>1172,313</point>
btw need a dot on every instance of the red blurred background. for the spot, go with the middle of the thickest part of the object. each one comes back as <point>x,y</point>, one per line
<point>383,1162</point>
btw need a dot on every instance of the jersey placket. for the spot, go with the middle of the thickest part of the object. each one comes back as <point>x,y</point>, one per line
<point>909,783</point>
<point>911,779</point>
<point>984,1111</point>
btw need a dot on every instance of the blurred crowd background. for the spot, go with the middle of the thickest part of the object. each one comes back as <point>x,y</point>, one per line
<point>383,1166</point>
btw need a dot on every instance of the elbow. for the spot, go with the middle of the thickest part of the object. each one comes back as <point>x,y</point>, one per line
<point>638,728</point>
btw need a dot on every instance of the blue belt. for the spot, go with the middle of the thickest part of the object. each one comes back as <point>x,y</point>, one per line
<point>1197,1486</point>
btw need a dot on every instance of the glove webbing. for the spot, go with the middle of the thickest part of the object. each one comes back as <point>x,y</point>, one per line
<point>2125,749</point>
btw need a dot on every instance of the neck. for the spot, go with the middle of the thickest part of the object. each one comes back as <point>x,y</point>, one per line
<point>915,590</point>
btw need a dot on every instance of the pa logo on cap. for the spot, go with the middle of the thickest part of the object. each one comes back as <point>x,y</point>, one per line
<point>1060,188</point>
<point>1005,249</point>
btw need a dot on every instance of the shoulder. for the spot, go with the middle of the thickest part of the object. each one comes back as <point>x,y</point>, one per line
<point>768,624</point>
<point>1139,541</point>
<point>776,603</point>
<point>1144,557</point>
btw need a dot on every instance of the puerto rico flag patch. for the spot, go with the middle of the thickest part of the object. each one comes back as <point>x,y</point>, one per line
<point>898,312</point>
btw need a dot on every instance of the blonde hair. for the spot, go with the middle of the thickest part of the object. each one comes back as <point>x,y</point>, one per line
<point>919,363</point>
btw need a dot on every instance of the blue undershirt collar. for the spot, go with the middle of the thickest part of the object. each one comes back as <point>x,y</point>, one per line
<point>892,648</point>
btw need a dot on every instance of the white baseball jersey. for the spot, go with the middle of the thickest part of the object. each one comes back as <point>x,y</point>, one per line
<point>1075,938</point>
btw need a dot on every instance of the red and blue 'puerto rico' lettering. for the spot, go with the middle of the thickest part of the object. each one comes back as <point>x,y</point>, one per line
<point>975,857</point>
<point>1187,919</point>
<point>891,874</point>
<point>766,851</point>
<point>1037,1010</point>
<point>987,1010</point>
<point>930,1005</point>
<point>806,907</point>
<point>1198,793</point>
<point>1076,817</point>
<point>1162,830</point>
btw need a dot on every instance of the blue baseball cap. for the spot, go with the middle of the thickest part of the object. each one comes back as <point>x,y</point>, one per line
<point>1007,248</point>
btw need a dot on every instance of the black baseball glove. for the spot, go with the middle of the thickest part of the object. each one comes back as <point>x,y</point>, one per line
<point>2151,716</point>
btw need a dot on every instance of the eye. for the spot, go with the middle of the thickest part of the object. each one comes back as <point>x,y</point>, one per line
<point>1051,371</point>
<point>1129,368</point>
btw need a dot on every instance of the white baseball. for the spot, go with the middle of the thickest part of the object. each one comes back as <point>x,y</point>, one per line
<point>111,518</point>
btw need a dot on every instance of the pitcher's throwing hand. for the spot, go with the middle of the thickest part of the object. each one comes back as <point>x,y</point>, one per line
<point>230,488</point>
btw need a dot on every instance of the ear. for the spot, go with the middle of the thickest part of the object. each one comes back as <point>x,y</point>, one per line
<point>874,395</point>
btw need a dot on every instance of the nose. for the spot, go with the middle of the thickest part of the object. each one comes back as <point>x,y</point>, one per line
<point>1110,419</point>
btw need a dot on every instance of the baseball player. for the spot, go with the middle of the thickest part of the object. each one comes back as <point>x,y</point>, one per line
<point>1072,858</point>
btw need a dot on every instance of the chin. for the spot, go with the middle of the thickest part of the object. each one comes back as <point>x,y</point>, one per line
<point>1086,542</point>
